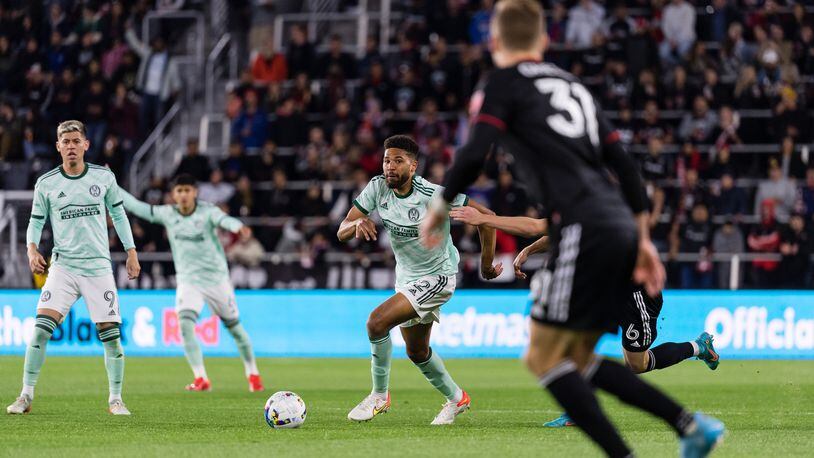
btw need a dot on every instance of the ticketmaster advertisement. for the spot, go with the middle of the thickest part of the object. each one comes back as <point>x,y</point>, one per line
<point>746,324</point>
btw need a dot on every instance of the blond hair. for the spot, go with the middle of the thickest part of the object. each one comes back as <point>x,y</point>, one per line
<point>519,23</point>
<point>70,126</point>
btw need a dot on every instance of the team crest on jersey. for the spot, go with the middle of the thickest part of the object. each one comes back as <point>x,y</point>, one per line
<point>46,295</point>
<point>95,191</point>
<point>413,214</point>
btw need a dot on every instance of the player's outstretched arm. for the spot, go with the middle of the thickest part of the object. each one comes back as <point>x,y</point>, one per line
<point>521,226</point>
<point>141,209</point>
<point>540,245</point>
<point>356,224</point>
<point>115,207</point>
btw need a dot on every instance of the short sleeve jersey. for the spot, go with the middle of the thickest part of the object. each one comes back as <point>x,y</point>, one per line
<point>402,216</point>
<point>77,206</point>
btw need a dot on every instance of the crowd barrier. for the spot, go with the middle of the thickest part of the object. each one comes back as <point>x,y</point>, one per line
<point>331,323</point>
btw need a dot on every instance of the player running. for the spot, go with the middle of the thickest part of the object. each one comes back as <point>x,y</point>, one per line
<point>638,319</point>
<point>74,197</point>
<point>201,271</point>
<point>425,278</point>
<point>558,134</point>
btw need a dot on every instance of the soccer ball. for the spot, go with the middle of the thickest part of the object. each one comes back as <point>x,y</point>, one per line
<point>285,409</point>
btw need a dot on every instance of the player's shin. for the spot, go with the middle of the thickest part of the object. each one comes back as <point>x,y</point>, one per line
<point>381,351</point>
<point>35,352</point>
<point>192,350</point>
<point>436,373</point>
<point>623,383</point>
<point>575,395</point>
<point>114,360</point>
<point>244,346</point>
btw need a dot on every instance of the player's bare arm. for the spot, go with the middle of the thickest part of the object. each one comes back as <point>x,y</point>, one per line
<point>487,243</point>
<point>521,226</point>
<point>36,262</point>
<point>132,264</point>
<point>540,245</point>
<point>356,224</point>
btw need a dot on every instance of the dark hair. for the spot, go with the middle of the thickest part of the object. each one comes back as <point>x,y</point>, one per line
<point>402,142</point>
<point>185,179</point>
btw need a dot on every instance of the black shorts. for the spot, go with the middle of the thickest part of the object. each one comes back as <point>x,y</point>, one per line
<point>591,268</point>
<point>639,320</point>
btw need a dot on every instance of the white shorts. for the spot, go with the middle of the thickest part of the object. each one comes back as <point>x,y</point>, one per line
<point>221,299</point>
<point>427,295</point>
<point>62,289</point>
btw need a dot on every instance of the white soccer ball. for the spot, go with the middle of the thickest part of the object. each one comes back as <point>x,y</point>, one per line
<point>285,409</point>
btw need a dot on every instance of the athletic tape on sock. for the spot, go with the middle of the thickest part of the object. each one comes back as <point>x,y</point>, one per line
<point>109,334</point>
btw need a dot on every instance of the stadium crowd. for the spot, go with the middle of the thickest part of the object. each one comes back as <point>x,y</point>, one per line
<point>686,84</point>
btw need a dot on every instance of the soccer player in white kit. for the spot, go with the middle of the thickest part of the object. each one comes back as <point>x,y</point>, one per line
<point>201,271</point>
<point>74,197</point>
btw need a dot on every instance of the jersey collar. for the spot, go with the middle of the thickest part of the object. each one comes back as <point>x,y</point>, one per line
<point>73,177</point>
<point>190,213</point>
<point>412,188</point>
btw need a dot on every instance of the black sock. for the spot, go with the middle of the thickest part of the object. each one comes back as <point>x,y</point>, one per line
<point>575,395</point>
<point>630,389</point>
<point>668,354</point>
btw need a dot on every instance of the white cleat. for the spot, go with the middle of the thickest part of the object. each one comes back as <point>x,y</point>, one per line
<point>451,410</point>
<point>20,406</point>
<point>117,407</point>
<point>370,406</point>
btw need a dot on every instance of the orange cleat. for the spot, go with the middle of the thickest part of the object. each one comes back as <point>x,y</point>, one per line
<point>200,384</point>
<point>255,383</point>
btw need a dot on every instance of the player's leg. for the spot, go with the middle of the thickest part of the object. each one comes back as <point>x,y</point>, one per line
<point>189,302</point>
<point>58,295</point>
<point>382,319</point>
<point>222,300</point>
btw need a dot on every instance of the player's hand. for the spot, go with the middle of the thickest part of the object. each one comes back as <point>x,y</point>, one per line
<point>467,215</point>
<point>518,264</point>
<point>366,229</point>
<point>36,262</point>
<point>489,271</point>
<point>245,233</point>
<point>132,265</point>
<point>649,270</point>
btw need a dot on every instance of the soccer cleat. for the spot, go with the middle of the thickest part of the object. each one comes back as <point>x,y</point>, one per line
<point>200,384</point>
<point>370,406</point>
<point>706,352</point>
<point>20,406</point>
<point>255,383</point>
<point>708,433</point>
<point>560,422</point>
<point>451,410</point>
<point>117,407</point>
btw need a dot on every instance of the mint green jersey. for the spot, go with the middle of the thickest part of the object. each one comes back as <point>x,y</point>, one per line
<point>76,207</point>
<point>196,251</point>
<point>401,216</point>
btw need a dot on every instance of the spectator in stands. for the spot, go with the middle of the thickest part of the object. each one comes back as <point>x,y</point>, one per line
<point>38,90</point>
<point>300,52</point>
<point>244,256</point>
<point>655,166</point>
<point>796,248</point>
<point>244,201</point>
<point>618,86</point>
<point>678,27</point>
<point>777,189</point>
<point>748,92</point>
<point>692,193</point>
<point>584,21</point>
<point>695,237</point>
<point>95,113</point>
<point>624,125</point>
<point>789,117</point>
<point>765,238</point>
<point>429,124</point>
<point>336,60</point>
<point>281,201</point>
<point>727,239</point>
<point>807,196</point>
<point>677,90</point>
<point>216,191</point>
<point>733,53</point>
<point>312,203</point>
<point>479,25</point>
<point>157,80</point>
<point>341,118</point>
<point>652,125</point>
<point>268,65</point>
<point>250,127</point>
<point>803,53</point>
<point>726,133</point>
<point>123,117</point>
<point>646,90</point>
<point>289,126</point>
<point>112,157</point>
<point>716,23</point>
<point>235,165</point>
<point>7,63</point>
<point>716,93</point>
<point>697,126</point>
<point>728,199</point>
<point>370,56</point>
<point>689,159</point>
<point>193,163</point>
<point>618,29</point>
<point>11,134</point>
<point>792,162</point>
<point>508,198</point>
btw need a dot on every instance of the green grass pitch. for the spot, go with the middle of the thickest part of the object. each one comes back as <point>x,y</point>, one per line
<point>768,407</point>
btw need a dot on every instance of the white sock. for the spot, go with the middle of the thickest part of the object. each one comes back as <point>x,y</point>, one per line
<point>114,397</point>
<point>199,371</point>
<point>28,390</point>
<point>695,350</point>
<point>250,367</point>
<point>458,396</point>
<point>381,396</point>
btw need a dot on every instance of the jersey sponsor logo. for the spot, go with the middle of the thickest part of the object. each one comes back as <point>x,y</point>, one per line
<point>61,195</point>
<point>190,238</point>
<point>78,211</point>
<point>46,296</point>
<point>400,231</point>
<point>95,191</point>
<point>413,214</point>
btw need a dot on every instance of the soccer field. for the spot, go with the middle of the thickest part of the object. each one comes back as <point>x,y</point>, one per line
<point>768,408</point>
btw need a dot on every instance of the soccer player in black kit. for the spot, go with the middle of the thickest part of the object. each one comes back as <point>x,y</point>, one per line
<point>558,135</point>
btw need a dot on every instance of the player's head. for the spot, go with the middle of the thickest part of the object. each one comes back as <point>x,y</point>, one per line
<point>184,190</point>
<point>517,32</point>
<point>400,160</point>
<point>72,142</point>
